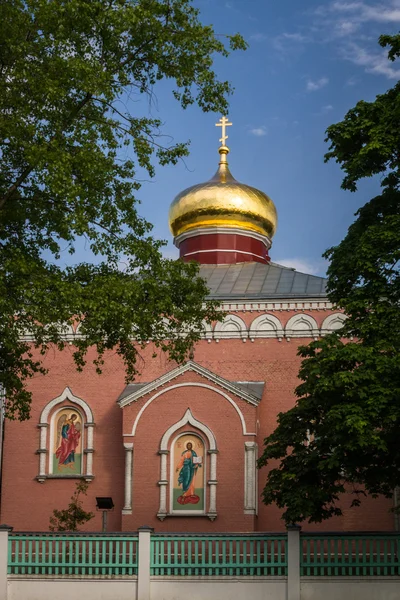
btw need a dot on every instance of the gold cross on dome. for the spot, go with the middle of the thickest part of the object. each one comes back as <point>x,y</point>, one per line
<point>224,123</point>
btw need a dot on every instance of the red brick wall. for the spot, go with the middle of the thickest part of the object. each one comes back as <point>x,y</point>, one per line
<point>27,504</point>
<point>211,409</point>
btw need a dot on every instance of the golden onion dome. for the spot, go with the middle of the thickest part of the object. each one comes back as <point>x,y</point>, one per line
<point>223,202</point>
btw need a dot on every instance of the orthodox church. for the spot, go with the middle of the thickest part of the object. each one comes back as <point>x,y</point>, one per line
<point>177,449</point>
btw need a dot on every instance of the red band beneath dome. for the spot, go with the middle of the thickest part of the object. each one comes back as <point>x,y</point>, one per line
<point>223,248</point>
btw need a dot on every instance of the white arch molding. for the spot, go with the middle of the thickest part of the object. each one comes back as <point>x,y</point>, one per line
<point>207,332</point>
<point>231,327</point>
<point>266,326</point>
<point>190,384</point>
<point>69,396</point>
<point>43,425</point>
<point>188,419</point>
<point>302,325</point>
<point>333,322</point>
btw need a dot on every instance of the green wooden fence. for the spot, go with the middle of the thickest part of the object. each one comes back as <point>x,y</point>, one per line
<point>72,554</point>
<point>230,555</point>
<point>218,555</point>
<point>350,554</point>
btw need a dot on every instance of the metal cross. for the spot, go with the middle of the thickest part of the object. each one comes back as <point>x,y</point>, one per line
<point>224,122</point>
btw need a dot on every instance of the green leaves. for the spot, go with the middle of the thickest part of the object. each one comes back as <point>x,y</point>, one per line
<point>342,434</point>
<point>366,142</point>
<point>70,518</point>
<point>70,155</point>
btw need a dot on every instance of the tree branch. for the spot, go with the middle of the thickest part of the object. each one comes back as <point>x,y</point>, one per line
<point>28,170</point>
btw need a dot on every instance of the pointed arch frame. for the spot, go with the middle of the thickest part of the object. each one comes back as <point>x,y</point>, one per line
<point>66,395</point>
<point>188,419</point>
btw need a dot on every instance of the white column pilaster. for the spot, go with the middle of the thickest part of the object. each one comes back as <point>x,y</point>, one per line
<point>42,451</point>
<point>293,558</point>
<point>163,483</point>
<point>144,550</point>
<point>127,509</point>
<point>4,531</point>
<point>250,483</point>
<point>89,450</point>
<point>212,510</point>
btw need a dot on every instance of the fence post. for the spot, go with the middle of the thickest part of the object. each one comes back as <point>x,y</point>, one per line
<point>293,564</point>
<point>4,531</point>
<point>143,577</point>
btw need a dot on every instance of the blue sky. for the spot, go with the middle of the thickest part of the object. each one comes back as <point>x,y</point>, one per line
<point>308,63</point>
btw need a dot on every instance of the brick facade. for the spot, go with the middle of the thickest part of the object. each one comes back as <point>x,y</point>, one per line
<point>27,504</point>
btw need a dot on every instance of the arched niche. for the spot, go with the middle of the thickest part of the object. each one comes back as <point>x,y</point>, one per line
<point>333,322</point>
<point>302,325</point>
<point>266,326</point>
<point>231,327</point>
<point>205,433</point>
<point>46,422</point>
<point>207,332</point>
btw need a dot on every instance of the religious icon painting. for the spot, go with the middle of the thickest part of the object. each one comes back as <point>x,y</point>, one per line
<point>67,443</point>
<point>188,474</point>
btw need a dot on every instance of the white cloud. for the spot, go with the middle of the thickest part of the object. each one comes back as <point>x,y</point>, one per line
<point>258,37</point>
<point>303,265</point>
<point>294,37</point>
<point>259,131</point>
<point>357,25</point>
<point>313,86</point>
<point>374,62</point>
<point>324,110</point>
<point>380,13</point>
<point>345,28</point>
<point>287,42</point>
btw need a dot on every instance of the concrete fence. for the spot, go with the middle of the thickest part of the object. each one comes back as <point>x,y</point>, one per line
<point>151,566</point>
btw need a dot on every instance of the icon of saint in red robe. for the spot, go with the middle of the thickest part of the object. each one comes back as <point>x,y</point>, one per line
<point>70,437</point>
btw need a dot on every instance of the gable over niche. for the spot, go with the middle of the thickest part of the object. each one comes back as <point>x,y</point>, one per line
<point>251,392</point>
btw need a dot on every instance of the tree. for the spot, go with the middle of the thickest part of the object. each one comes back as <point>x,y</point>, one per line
<point>72,154</point>
<point>342,434</point>
<point>70,518</point>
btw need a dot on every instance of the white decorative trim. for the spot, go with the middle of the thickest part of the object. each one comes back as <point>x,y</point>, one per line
<point>222,230</point>
<point>302,326</point>
<point>250,478</point>
<point>68,396</point>
<point>188,419</point>
<point>280,304</point>
<point>212,511</point>
<point>190,384</point>
<point>231,327</point>
<point>127,509</point>
<point>333,323</point>
<point>207,333</point>
<point>266,326</point>
<point>196,368</point>
<point>223,250</point>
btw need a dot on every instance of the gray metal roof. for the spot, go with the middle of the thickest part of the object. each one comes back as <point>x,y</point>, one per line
<point>256,280</point>
<point>252,387</point>
<point>130,388</point>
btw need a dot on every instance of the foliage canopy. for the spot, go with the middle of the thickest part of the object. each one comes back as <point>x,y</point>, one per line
<point>72,152</point>
<point>342,434</point>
